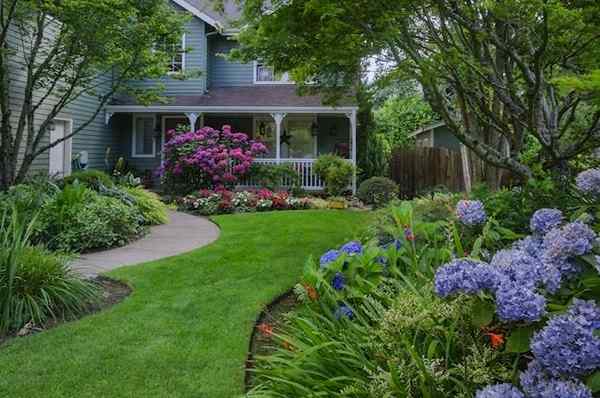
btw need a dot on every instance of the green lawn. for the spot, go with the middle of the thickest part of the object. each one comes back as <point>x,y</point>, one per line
<point>184,331</point>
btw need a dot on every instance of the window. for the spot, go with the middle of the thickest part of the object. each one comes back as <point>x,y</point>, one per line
<point>265,74</point>
<point>143,141</point>
<point>301,144</point>
<point>177,64</point>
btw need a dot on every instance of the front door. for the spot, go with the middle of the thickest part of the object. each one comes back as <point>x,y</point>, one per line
<point>58,153</point>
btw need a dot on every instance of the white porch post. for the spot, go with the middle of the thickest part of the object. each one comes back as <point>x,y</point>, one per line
<point>192,118</point>
<point>352,117</point>
<point>278,117</point>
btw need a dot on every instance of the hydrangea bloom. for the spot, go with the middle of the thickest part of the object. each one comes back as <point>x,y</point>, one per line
<point>567,346</point>
<point>466,276</point>
<point>515,302</point>
<point>537,384</point>
<point>339,281</point>
<point>470,212</point>
<point>500,391</point>
<point>352,248</point>
<point>518,266</point>
<point>544,220</point>
<point>574,239</point>
<point>589,182</point>
<point>344,311</point>
<point>329,257</point>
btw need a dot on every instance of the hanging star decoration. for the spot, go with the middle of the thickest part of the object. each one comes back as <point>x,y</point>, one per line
<point>286,137</point>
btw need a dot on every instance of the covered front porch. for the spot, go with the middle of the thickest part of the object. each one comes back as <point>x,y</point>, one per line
<point>294,136</point>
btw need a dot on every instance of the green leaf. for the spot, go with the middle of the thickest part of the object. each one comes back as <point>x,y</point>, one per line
<point>482,313</point>
<point>593,381</point>
<point>518,340</point>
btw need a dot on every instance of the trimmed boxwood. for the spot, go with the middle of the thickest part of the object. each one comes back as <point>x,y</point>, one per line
<point>377,191</point>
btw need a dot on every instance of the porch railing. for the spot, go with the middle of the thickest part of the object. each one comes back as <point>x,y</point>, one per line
<point>309,180</point>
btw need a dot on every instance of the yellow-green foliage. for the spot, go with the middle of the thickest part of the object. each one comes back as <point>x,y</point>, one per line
<point>149,204</point>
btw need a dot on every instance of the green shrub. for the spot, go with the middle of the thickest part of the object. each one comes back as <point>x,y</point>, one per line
<point>35,284</point>
<point>89,178</point>
<point>335,172</point>
<point>275,177</point>
<point>377,191</point>
<point>149,205</point>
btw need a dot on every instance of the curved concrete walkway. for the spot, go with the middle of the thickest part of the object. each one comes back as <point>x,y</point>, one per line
<point>182,234</point>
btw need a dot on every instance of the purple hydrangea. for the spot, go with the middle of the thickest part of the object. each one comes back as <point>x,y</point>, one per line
<point>329,257</point>
<point>588,182</point>
<point>500,391</point>
<point>466,276</point>
<point>339,281</point>
<point>470,212</point>
<point>352,248</point>
<point>574,239</point>
<point>515,302</point>
<point>567,346</point>
<point>537,384</point>
<point>544,220</point>
<point>344,311</point>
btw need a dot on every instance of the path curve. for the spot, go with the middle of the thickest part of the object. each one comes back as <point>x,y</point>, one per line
<point>181,234</point>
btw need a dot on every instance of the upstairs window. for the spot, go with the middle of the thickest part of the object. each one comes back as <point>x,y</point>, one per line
<point>177,62</point>
<point>264,74</point>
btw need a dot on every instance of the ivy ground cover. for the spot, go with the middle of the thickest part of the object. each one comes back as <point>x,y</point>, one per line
<point>184,331</point>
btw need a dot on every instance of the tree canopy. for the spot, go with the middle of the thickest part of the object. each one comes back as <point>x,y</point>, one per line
<point>495,71</point>
<point>69,48</point>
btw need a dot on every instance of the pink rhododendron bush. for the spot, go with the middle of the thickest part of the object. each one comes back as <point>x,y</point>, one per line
<point>207,158</point>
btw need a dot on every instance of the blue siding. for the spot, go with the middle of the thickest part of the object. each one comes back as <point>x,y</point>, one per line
<point>223,72</point>
<point>195,61</point>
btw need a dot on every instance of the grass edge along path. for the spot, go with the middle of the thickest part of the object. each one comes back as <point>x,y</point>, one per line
<point>184,331</point>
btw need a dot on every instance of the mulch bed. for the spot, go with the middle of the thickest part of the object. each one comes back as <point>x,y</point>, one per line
<point>113,292</point>
<point>273,316</point>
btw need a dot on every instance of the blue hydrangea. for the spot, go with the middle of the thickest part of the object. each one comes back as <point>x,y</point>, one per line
<point>329,257</point>
<point>538,384</point>
<point>500,391</point>
<point>470,212</point>
<point>533,246</point>
<point>352,248</point>
<point>573,239</point>
<point>588,182</point>
<point>344,311</point>
<point>466,276</point>
<point>515,302</point>
<point>544,220</point>
<point>567,346</point>
<point>339,281</point>
<point>518,266</point>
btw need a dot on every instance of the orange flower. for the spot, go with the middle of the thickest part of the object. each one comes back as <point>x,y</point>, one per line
<point>287,345</point>
<point>496,340</point>
<point>312,292</point>
<point>266,329</point>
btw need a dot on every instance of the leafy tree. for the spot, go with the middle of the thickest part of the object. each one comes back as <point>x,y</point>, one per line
<point>492,70</point>
<point>65,49</point>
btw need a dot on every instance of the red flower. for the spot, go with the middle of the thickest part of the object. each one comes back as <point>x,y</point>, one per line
<point>496,339</point>
<point>266,329</point>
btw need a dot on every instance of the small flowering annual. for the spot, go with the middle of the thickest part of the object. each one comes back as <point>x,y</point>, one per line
<point>545,220</point>
<point>515,302</point>
<point>567,345</point>
<point>352,248</point>
<point>329,257</point>
<point>470,212</point>
<point>588,182</point>
<point>344,311</point>
<point>536,383</point>
<point>339,281</point>
<point>464,276</point>
<point>500,391</point>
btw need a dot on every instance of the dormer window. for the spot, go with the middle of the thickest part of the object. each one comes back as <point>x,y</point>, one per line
<point>264,74</point>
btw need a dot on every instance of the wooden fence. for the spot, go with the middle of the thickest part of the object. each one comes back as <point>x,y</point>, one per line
<point>421,169</point>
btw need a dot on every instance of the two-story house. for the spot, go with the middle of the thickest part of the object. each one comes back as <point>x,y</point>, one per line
<point>250,97</point>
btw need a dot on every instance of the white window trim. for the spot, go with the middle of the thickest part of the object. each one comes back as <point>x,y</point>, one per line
<point>271,82</point>
<point>134,136</point>
<point>68,145</point>
<point>183,53</point>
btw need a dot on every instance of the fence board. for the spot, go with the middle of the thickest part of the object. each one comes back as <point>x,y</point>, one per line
<point>422,168</point>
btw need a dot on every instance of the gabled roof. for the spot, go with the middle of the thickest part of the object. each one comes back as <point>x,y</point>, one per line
<point>205,10</point>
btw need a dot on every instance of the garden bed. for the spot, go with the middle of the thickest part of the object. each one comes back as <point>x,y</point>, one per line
<point>112,293</point>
